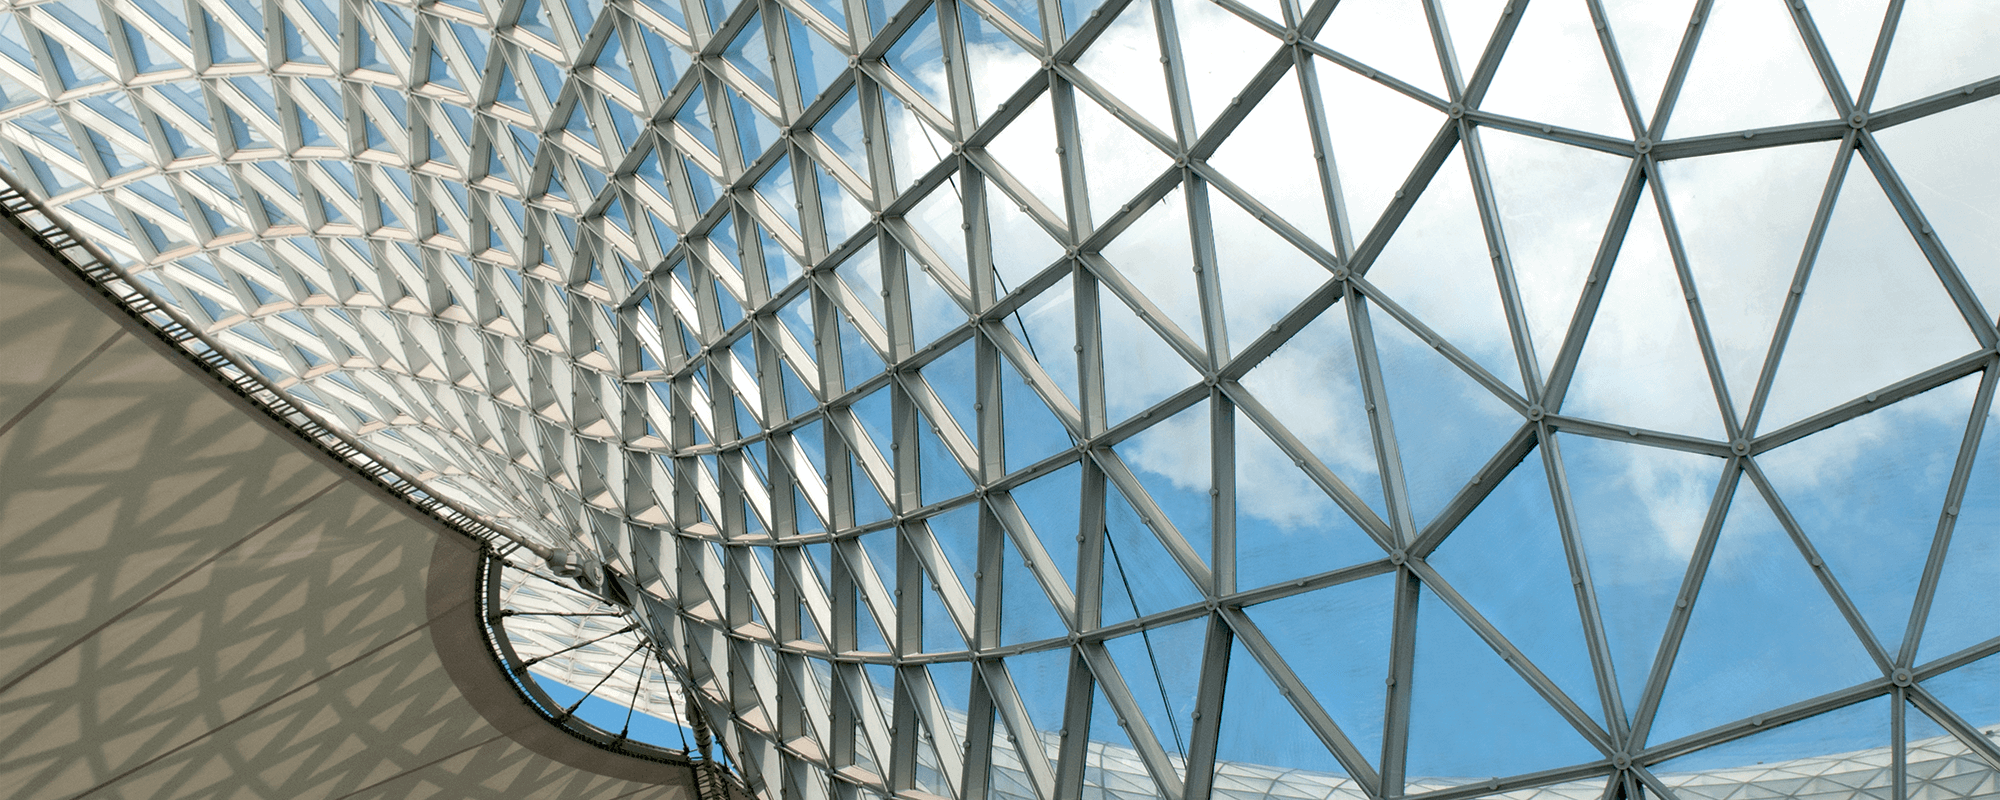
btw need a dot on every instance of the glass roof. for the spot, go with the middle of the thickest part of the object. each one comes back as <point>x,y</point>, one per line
<point>1140,398</point>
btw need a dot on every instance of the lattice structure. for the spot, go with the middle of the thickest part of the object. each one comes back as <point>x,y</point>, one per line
<point>1125,397</point>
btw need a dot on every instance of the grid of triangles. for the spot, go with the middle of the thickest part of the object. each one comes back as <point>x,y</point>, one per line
<point>990,391</point>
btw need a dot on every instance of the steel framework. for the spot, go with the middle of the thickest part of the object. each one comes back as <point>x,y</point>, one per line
<point>1056,399</point>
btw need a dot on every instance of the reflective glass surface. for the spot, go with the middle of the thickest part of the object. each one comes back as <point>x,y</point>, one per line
<point>1138,398</point>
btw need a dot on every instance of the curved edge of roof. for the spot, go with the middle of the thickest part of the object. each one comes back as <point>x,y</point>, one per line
<point>460,640</point>
<point>456,558</point>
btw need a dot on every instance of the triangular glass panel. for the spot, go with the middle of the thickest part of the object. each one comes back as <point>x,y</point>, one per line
<point>535,19</point>
<point>116,158</point>
<point>1022,248</point>
<point>1743,219</point>
<point>798,398</point>
<point>1172,461</point>
<point>1046,325</point>
<point>1508,560</point>
<point>310,134</point>
<point>1006,770</point>
<point>1554,202</point>
<point>1470,25</point>
<point>438,72</point>
<point>1868,493</point>
<point>1641,365</point>
<point>1649,38</point>
<point>841,129</point>
<point>1337,641</point>
<point>871,503</point>
<point>1026,13</point>
<point>841,215</point>
<point>509,92</point>
<point>668,60</point>
<point>1154,254</point>
<point>1962,613</point>
<point>918,57</point>
<point>868,629</point>
<point>776,188</point>
<point>1849,29</point>
<point>624,125</point>
<point>148,56</point>
<point>1042,680</point>
<point>943,476</point>
<point>1438,266</point>
<point>957,535</point>
<point>1140,576</point>
<point>816,61</point>
<point>1639,511</point>
<point>1027,149</point>
<point>1968,692</point>
<point>245,136</point>
<point>613,62</point>
<point>941,633</point>
<point>182,145</point>
<point>995,64</point>
<point>1471,714</point>
<point>1220,52</point>
<point>932,776</point>
<point>1162,668</point>
<point>701,185</point>
<point>1312,385</point>
<point>1050,504</point>
<point>1946,172</point>
<point>1119,161</point>
<point>1141,369</point>
<point>1125,59</point>
<point>879,549</point>
<point>1718,94</point>
<point>694,118</point>
<point>1108,731</point>
<point>806,518</point>
<point>933,311</point>
<point>1447,425</point>
<point>1554,73</point>
<point>1286,526</point>
<point>951,378</point>
<point>1873,311</point>
<point>1388,35</point>
<point>940,220</point>
<point>914,146</point>
<point>1026,614</point>
<point>223,48</point>
<point>1373,159</point>
<point>1031,431</point>
<point>1260,727</point>
<point>875,413</point>
<point>1276,132</point>
<point>752,55</point>
<point>1936,47</point>
<point>1763,633</point>
<point>861,274</point>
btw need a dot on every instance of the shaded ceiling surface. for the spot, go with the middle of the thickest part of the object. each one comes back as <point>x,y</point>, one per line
<point>191,605</point>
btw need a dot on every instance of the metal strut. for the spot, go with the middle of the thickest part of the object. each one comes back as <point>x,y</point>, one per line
<point>707,785</point>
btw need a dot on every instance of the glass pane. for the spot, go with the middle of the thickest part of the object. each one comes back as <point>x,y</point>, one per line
<point>1763,633</point>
